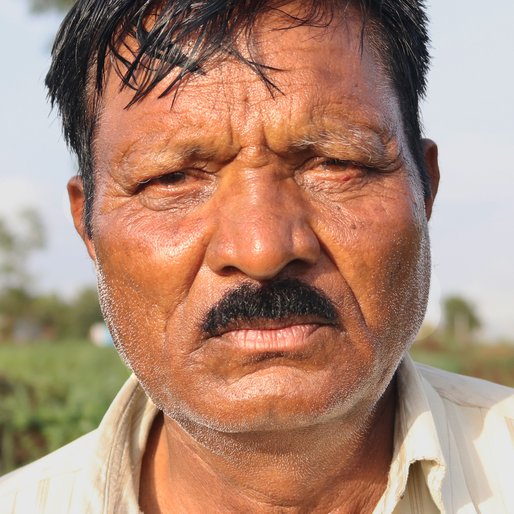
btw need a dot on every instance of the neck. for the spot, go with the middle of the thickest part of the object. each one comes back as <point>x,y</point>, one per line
<point>331,467</point>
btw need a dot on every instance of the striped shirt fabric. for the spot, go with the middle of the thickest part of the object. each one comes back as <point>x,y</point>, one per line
<point>453,453</point>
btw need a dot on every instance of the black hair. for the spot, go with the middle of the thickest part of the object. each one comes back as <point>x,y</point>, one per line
<point>188,35</point>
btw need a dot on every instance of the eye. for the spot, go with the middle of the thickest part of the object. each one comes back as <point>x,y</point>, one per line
<point>167,180</point>
<point>341,170</point>
<point>333,174</point>
<point>341,165</point>
<point>175,189</point>
<point>335,163</point>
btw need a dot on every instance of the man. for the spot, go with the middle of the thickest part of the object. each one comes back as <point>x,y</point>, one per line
<point>254,192</point>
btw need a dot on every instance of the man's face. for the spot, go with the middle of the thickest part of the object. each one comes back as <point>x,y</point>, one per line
<point>311,194</point>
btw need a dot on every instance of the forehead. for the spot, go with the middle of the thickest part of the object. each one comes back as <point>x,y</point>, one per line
<point>324,79</point>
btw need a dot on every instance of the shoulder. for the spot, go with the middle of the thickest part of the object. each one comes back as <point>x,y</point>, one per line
<point>468,392</point>
<point>474,428</point>
<point>49,481</point>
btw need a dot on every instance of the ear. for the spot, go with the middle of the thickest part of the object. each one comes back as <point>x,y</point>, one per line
<point>430,153</point>
<point>77,207</point>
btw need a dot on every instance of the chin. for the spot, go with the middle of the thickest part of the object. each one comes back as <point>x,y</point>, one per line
<point>272,400</point>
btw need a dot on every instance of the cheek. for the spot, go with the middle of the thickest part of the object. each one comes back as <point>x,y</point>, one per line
<point>146,266</point>
<point>155,252</point>
<point>381,249</point>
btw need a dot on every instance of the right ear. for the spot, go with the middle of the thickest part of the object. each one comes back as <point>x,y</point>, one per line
<point>78,209</point>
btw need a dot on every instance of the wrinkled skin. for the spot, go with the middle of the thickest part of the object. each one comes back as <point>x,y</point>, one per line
<point>194,200</point>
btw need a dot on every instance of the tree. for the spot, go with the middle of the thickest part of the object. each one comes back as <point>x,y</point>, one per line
<point>85,312</point>
<point>16,246</point>
<point>460,318</point>
<point>25,315</point>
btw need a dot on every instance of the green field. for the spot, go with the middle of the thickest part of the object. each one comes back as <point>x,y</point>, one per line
<point>494,363</point>
<point>51,393</point>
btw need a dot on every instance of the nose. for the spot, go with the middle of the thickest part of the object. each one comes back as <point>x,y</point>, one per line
<point>260,231</point>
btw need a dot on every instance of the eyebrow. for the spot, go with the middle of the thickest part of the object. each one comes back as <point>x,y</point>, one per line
<point>162,152</point>
<point>371,146</point>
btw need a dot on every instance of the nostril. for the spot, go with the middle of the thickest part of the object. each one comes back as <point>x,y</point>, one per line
<point>300,264</point>
<point>295,266</point>
<point>228,270</point>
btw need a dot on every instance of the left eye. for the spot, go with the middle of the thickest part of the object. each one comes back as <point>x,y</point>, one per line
<point>171,179</point>
<point>338,163</point>
<point>168,179</point>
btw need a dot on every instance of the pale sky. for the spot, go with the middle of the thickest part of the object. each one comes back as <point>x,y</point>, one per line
<point>469,112</point>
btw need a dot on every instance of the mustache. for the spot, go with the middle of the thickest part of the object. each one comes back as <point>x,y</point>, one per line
<point>275,300</point>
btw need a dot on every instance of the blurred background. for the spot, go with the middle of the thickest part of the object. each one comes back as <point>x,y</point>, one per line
<point>58,370</point>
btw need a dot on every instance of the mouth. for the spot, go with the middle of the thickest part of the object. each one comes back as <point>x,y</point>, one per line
<point>271,336</point>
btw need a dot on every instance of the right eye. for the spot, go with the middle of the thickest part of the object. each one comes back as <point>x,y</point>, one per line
<point>176,189</point>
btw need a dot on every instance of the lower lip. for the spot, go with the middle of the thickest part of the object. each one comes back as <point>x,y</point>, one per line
<point>287,339</point>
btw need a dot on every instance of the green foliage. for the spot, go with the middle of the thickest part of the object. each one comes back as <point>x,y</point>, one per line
<point>23,313</point>
<point>50,316</point>
<point>85,311</point>
<point>16,246</point>
<point>18,241</point>
<point>51,394</point>
<point>490,362</point>
<point>460,318</point>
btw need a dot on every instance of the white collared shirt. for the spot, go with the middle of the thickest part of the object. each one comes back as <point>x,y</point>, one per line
<point>453,454</point>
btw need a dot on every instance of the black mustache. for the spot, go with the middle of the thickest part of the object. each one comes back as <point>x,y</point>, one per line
<point>275,300</point>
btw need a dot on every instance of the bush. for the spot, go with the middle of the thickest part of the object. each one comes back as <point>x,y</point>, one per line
<point>50,394</point>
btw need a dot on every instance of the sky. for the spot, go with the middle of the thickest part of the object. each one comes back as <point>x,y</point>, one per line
<point>469,112</point>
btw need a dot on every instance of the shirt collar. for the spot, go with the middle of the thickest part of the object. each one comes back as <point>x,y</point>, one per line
<point>122,437</point>
<point>420,436</point>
